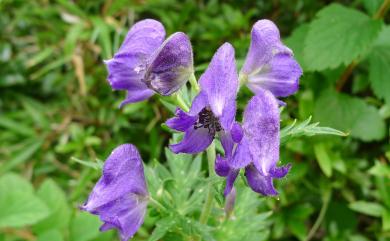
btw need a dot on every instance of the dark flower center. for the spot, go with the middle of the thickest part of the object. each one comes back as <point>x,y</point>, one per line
<point>209,121</point>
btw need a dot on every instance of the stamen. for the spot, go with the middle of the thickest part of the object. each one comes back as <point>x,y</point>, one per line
<point>209,121</point>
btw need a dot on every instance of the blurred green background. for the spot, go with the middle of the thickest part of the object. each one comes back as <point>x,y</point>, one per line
<point>56,109</point>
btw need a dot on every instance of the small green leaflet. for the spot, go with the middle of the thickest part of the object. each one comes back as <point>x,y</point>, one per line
<point>98,165</point>
<point>307,129</point>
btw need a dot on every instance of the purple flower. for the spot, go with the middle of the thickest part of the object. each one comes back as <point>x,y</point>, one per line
<point>213,109</point>
<point>258,150</point>
<point>269,63</point>
<point>120,196</point>
<point>146,64</point>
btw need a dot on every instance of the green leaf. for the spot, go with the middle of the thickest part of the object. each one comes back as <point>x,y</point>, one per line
<point>55,199</point>
<point>350,114</point>
<point>306,129</point>
<point>30,147</point>
<point>84,227</point>
<point>323,159</point>
<point>368,208</point>
<point>18,204</point>
<point>380,170</point>
<point>379,71</point>
<point>162,227</point>
<point>386,220</point>
<point>336,38</point>
<point>50,235</point>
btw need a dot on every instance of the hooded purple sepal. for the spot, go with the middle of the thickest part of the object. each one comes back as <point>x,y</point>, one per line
<point>120,196</point>
<point>269,63</point>
<point>258,150</point>
<point>171,66</point>
<point>264,184</point>
<point>213,109</point>
<point>127,68</point>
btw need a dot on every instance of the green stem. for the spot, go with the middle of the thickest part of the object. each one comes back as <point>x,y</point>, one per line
<point>204,216</point>
<point>321,216</point>
<point>194,83</point>
<point>382,10</point>
<point>180,102</point>
<point>157,204</point>
<point>242,79</point>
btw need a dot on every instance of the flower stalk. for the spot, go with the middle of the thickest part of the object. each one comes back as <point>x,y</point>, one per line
<point>204,216</point>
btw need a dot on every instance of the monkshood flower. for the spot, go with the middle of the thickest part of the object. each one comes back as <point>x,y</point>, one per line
<point>213,110</point>
<point>258,150</point>
<point>269,64</point>
<point>145,63</point>
<point>120,196</point>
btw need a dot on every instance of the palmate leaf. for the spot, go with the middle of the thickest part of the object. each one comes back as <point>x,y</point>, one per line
<point>307,129</point>
<point>336,37</point>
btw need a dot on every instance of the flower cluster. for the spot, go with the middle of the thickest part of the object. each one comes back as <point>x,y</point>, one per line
<point>146,64</point>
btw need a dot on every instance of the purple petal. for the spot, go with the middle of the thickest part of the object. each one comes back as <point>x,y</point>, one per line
<point>237,132</point>
<point>126,214</point>
<point>127,68</point>
<point>123,173</point>
<point>220,83</point>
<point>280,172</point>
<point>259,183</point>
<point>171,66</point>
<point>228,114</point>
<point>143,38</point>
<point>121,74</point>
<point>280,76</point>
<point>242,156</point>
<point>227,143</point>
<point>261,127</point>
<point>221,167</point>
<point>136,96</point>
<point>200,101</point>
<point>182,121</point>
<point>194,141</point>
<point>230,179</point>
<point>120,196</point>
<point>265,43</point>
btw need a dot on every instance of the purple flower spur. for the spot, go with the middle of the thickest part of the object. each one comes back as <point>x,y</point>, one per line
<point>258,150</point>
<point>213,109</point>
<point>120,196</point>
<point>145,63</point>
<point>269,64</point>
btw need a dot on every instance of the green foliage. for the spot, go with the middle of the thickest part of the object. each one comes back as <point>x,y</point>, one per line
<point>59,119</point>
<point>350,114</point>
<point>380,64</point>
<point>335,37</point>
<point>19,206</point>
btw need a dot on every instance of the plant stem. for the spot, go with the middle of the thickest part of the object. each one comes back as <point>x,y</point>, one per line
<point>180,102</point>
<point>321,216</point>
<point>204,216</point>
<point>194,83</point>
<point>382,10</point>
<point>348,71</point>
<point>156,204</point>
